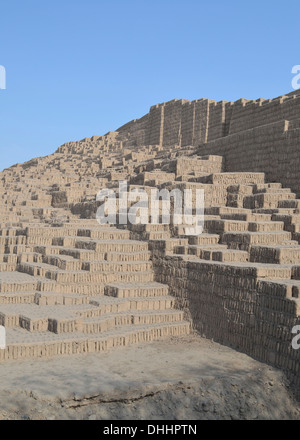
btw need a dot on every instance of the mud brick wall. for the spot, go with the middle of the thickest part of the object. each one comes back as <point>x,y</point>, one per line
<point>250,114</point>
<point>188,123</point>
<point>136,132</point>
<point>183,122</point>
<point>258,136</point>
<point>172,122</point>
<point>272,149</point>
<point>194,121</point>
<point>140,133</point>
<point>200,121</point>
<point>156,125</point>
<point>233,306</point>
<point>179,122</point>
<point>216,121</point>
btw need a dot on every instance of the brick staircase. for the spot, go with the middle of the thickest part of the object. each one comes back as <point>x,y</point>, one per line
<point>74,290</point>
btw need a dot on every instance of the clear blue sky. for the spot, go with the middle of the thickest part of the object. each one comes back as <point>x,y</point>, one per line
<point>77,68</point>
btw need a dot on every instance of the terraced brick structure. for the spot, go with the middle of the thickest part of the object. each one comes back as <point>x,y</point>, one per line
<point>69,285</point>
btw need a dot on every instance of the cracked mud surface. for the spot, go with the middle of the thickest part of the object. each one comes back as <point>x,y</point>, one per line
<point>179,379</point>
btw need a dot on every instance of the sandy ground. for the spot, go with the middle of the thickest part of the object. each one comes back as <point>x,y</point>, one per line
<point>183,379</point>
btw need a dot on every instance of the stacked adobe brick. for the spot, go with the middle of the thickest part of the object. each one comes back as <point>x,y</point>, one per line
<point>69,285</point>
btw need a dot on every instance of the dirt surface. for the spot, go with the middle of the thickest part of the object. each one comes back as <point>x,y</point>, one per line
<point>179,379</point>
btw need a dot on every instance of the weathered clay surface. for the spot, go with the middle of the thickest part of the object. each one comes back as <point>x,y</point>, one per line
<point>71,286</point>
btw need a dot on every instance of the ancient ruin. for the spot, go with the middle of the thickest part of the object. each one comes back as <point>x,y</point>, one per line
<point>69,285</point>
